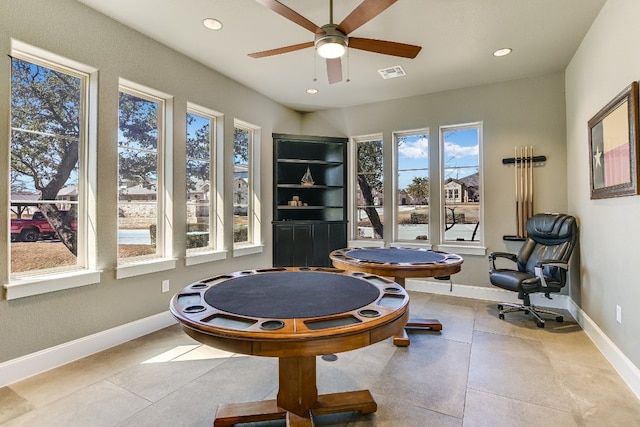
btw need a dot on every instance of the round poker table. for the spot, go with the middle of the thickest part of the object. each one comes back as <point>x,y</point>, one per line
<point>400,263</point>
<point>294,314</point>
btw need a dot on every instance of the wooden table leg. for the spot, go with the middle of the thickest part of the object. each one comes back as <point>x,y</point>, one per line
<point>402,340</point>
<point>297,384</point>
<point>297,399</point>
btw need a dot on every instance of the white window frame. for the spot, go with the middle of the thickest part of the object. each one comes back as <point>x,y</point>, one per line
<point>254,235</point>
<point>163,259</point>
<point>462,247</point>
<point>353,178</point>
<point>215,251</point>
<point>394,238</point>
<point>85,272</point>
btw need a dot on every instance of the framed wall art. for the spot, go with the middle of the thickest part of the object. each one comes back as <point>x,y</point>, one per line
<point>613,146</point>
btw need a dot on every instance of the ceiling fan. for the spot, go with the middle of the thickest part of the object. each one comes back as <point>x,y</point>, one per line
<point>331,41</point>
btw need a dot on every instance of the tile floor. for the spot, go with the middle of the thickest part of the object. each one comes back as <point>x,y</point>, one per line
<point>479,371</point>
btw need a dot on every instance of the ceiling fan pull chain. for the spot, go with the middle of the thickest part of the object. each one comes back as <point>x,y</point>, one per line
<point>348,67</point>
<point>315,66</point>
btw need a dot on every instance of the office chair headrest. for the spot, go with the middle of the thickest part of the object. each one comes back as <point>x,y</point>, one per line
<point>552,229</point>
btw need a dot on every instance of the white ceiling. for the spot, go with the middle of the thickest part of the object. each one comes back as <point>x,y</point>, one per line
<point>457,37</point>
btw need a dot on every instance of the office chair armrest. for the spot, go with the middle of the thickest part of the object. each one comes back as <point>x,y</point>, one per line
<point>494,255</point>
<point>552,263</point>
<point>539,269</point>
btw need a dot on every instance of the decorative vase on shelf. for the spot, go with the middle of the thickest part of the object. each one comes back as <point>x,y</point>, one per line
<point>306,178</point>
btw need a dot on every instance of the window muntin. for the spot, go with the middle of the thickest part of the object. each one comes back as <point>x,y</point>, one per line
<point>140,181</point>
<point>242,185</point>
<point>201,183</point>
<point>369,195</point>
<point>461,183</point>
<point>48,168</point>
<point>412,180</point>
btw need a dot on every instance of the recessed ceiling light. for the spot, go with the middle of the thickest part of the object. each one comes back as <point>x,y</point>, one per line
<point>502,52</point>
<point>312,91</point>
<point>212,24</point>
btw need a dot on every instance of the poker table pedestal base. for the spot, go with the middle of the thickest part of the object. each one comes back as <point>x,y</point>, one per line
<point>298,400</point>
<point>403,340</point>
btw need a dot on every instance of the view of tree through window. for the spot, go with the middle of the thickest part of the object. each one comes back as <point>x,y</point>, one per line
<point>46,138</point>
<point>138,139</point>
<point>460,146</point>
<point>199,143</point>
<point>369,189</point>
<point>241,185</point>
<point>412,215</point>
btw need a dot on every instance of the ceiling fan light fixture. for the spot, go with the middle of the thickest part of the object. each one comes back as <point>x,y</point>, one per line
<point>332,43</point>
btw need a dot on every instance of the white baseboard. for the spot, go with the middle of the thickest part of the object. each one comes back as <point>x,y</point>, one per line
<point>621,363</point>
<point>26,366</point>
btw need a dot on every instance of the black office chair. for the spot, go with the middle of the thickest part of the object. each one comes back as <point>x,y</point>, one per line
<point>542,264</point>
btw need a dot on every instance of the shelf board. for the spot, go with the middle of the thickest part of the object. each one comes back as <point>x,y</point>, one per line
<point>312,162</point>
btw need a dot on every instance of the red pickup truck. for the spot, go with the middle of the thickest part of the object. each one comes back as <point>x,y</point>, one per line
<point>34,228</point>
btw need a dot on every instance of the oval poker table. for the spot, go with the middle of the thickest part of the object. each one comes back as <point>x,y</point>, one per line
<point>400,263</point>
<point>294,314</point>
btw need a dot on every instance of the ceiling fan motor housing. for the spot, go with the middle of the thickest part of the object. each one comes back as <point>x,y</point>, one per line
<point>328,43</point>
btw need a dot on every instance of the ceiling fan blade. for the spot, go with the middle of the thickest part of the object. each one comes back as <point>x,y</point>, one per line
<point>388,48</point>
<point>280,50</point>
<point>334,70</point>
<point>290,14</point>
<point>366,11</point>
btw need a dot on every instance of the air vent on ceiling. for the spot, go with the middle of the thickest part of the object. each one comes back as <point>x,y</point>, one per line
<point>392,72</point>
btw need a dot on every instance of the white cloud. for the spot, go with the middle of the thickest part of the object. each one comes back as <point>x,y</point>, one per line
<point>455,151</point>
<point>418,149</point>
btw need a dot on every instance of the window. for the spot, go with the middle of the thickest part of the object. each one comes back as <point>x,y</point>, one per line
<point>52,173</point>
<point>204,234</point>
<point>461,183</point>
<point>412,180</point>
<point>48,166</point>
<point>369,195</point>
<point>246,190</point>
<point>142,212</point>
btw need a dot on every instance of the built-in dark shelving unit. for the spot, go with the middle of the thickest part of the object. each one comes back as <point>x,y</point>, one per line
<point>304,234</point>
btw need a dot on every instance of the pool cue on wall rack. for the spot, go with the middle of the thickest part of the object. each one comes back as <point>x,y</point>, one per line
<point>530,213</point>
<point>515,174</point>
<point>523,174</point>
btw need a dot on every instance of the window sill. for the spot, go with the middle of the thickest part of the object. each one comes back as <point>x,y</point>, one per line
<point>463,250</point>
<point>247,250</point>
<point>203,257</point>
<point>43,284</point>
<point>145,267</point>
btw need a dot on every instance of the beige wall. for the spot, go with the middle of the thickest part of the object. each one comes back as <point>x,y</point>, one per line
<point>607,61</point>
<point>69,29</point>
<point>514,113</point>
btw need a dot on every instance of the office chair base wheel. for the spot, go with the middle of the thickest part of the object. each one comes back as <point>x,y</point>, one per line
<point>501,316</point>
<point>500,307</point>
<point>540,324</point>
<point>559,319</point>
